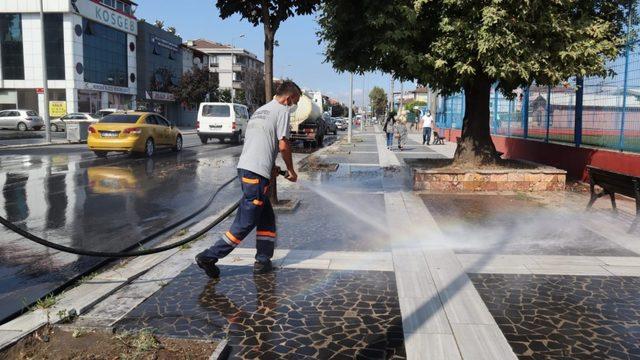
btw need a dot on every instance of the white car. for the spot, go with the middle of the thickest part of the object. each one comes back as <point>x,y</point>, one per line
<point>222,121</point>
<point>60,125</point>
<point>22,120</point>
<point>104,112</point>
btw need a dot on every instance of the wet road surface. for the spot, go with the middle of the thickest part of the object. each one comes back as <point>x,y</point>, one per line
<point>68,196</point>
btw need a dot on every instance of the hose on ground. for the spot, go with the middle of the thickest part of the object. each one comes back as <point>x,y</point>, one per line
<point>9,225</point>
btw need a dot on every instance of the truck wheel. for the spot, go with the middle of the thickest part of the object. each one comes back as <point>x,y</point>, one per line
<point>235,139</point>
<point>320,141</point>
<point>306,145</point>
<point>203,139</point>
<point>100,154</point>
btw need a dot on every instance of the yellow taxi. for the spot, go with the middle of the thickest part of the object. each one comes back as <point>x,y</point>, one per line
<point>133,132</point>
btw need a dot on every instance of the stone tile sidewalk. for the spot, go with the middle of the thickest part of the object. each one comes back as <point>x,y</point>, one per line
<point>368,269</point>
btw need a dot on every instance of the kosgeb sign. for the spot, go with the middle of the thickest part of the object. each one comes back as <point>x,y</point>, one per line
<point>104,15</point>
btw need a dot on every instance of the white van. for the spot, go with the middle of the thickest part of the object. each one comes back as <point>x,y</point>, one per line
<point>222,121</point>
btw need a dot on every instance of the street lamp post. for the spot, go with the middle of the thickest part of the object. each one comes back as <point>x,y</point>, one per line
<point>45,86</point>
<point>350,107</point>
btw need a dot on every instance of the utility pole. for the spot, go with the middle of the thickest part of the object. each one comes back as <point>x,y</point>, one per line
<point>350,107</point>
<point>401,97</point>
<point>45,86</point>
<point>364,107</point>
<point>391,93</point>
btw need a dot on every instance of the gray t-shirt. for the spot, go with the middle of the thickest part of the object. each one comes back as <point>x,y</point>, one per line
<point>268,125</point>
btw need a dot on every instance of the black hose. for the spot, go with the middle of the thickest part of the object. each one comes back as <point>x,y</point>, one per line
<point>9,225</point>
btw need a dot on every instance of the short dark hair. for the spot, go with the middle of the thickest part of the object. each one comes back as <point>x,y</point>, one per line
<point>288,87</point>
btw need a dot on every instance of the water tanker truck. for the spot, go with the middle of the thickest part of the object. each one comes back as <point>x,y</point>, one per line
<point>307,124</point>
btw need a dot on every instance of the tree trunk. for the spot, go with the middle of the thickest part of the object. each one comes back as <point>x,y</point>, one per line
<point>269,38</point>
<point>476,146</point>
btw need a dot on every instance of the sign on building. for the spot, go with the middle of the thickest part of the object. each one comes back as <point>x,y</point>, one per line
<point>104,15</point>
<point>57,108</point>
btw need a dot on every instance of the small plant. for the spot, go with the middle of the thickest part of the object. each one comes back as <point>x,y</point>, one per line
<point>46,302</point>
<point>88,277</point>
<point>62,314</point>
<point>182,232</point>
<point>185,246</point>
<point>141,342</point>
<point>78,333</point>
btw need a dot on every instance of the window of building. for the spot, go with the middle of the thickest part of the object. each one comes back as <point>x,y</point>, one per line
<point>11,46</point>
<point>213,60</point>
<point>54,41</point>
<point>105,54</point>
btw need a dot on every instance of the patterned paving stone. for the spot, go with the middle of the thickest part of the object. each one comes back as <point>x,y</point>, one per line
<point>288,314</point>
<point>565,317</point>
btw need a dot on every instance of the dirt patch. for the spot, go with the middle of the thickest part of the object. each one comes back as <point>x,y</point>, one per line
<point>315,163</point>
<point>56,343</point>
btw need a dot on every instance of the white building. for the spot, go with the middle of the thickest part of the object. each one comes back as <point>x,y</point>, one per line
<point>232,65</point>
<point>90,54</point>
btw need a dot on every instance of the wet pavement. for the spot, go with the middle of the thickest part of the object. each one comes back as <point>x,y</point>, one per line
<point>288,314</point>
<point>565,317</point>
<point>520,224</point>
<point>68,196</point>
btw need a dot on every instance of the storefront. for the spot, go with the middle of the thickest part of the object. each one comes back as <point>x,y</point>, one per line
<point>97,68</point>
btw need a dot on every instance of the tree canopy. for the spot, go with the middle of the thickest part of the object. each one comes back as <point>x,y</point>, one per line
<point>470,45</point>
<point>269,13</point>
<point>194,87</point>
<point>378,100</point>
<point>448,44</point>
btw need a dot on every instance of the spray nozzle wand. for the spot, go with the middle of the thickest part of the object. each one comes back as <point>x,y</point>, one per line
<point>284,173</point>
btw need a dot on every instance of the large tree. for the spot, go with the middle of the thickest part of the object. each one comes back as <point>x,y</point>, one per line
<point>194,87</point>
<point>378,100</point>
<point>472,45</point>
<point>269,13</point>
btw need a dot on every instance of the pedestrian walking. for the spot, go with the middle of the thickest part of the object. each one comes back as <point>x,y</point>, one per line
<point>389,128</point>
<point>267,133</point>
<point>402,131</point>
<point>427,123</point>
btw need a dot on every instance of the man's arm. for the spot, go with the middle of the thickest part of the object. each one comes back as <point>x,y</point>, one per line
<point>285,150</point>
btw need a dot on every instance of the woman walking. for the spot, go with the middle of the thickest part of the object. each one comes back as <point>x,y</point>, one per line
<point>389,128</point>
<point>402,131</point>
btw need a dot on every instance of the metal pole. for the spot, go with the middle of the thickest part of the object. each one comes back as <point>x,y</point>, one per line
<point>626,80</point>
<point>525,113</point>
<point>350,107</point>
<point>546,136</point>
<point>45,86</point>
<point>577,127</point>
<point>391,104</point>
<point>401,97</point>
<point>495,109</point>
<point>364,107</point>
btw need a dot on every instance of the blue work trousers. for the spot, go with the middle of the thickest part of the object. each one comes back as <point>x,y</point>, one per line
<point>255,210</point>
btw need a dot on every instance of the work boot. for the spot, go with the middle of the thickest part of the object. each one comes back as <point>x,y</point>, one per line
<point>209,266</point>
<point>262,268</point>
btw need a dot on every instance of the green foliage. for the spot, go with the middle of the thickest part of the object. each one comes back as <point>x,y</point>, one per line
<point>450,44</point>
<point>274,13</point>
<point>378,100</point>
<point>224,95</point>
<point>194,87</point>
<point>410,105</point>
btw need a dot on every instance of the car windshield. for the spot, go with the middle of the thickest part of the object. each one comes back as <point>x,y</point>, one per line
<point>32,113</point>
<point>216,110</point>
<point>120,119</point>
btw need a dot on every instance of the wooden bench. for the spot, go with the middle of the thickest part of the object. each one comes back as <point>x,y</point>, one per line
<point>437,139</point>
<point>613,183</point>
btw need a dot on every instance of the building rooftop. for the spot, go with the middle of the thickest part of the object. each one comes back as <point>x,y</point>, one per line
<point>212,47</point>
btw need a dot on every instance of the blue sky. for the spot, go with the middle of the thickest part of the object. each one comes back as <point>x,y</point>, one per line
<point>298,57</point>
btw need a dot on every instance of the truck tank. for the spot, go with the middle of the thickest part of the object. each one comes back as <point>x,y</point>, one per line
<point>306,110</point>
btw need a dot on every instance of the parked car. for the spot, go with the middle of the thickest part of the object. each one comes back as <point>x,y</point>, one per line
<point>332,127</point>
<point>133,132</point>
<point>341,124</point>
<point>60,125</point>
<point>104,112</point>
<point>22,120</point>
<point>222,121</point>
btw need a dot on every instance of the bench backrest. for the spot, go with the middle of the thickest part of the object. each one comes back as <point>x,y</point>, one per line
<point>614,182</point>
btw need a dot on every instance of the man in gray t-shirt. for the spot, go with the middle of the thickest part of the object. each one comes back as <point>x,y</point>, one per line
<point>267,133</point>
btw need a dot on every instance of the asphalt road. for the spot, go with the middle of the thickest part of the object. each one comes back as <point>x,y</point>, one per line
<point>67,195</point>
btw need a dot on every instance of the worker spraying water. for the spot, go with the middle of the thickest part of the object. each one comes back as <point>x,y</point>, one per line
<point>267,133</point>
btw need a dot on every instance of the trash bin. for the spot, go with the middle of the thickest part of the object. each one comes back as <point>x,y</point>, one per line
<point>77,130</point>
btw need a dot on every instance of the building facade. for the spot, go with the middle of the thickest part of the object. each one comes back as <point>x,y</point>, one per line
<point>236,69</point>
<point>90,54</point>
<point>160,67</point>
